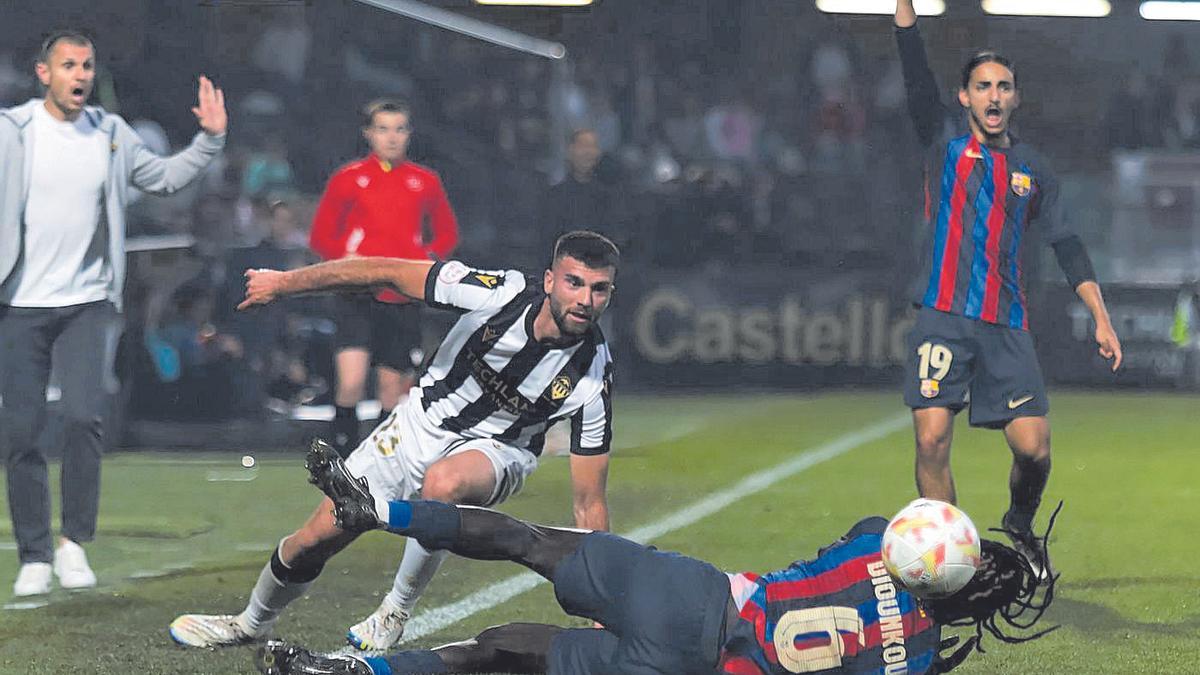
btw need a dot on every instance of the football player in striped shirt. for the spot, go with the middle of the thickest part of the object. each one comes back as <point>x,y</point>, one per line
<point>984,188</point>
<point>668,613</point>
<point>525,353</point>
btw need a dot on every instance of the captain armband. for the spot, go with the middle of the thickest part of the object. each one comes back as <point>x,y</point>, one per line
<point>1074,260</point>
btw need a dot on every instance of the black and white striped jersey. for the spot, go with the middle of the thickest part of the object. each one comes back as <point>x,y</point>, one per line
<point>491,379</point>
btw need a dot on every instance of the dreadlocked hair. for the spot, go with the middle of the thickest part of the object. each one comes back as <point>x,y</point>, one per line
<point>1004,588</point>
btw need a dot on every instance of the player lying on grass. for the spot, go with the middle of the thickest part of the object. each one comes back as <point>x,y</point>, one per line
<point>668,613</point>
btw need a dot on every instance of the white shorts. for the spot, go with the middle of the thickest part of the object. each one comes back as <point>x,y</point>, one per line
<point>395,456</point>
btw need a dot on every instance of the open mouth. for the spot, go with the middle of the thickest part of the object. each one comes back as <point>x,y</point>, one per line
<point>77,94</point>
<point>579,317</point>
<point>993,116</point>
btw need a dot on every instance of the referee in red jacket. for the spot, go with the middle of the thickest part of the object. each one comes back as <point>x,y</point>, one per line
<point>377,206</point>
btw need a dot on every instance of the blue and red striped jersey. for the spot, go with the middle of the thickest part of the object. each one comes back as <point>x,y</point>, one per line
<point>839,613</point>
<point>979,202</point>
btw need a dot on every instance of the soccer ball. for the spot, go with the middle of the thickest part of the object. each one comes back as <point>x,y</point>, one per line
<point>932,547</point>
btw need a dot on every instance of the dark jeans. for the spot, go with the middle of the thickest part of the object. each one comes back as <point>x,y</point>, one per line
<point>82,340</point>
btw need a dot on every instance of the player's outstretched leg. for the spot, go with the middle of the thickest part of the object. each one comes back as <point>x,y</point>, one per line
<point>354,509</point>
<point>468,531</point>
<point>211,630</point>
<point>511,648</point>
<point>280,658</point>
<point>294,565</point>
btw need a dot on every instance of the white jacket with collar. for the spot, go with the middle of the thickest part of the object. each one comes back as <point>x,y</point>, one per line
<point>131,164</point>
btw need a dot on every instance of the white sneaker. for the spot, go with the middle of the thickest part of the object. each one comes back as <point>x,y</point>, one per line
<point>212,630</point>
<point>71,567</point>
<point>381,630</point>
<point>33,579</point>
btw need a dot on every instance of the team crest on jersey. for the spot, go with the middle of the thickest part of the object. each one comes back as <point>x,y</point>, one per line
<point>1022,183</point>
<point>362,181</point>
<point>930,388</point>
<point>561,388</point>
<point>488,281</point>
<point>414,183</point>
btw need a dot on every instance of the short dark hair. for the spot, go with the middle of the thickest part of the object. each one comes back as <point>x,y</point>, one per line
<point>590,248</point>
<point>68,35</point>
<point>986,56</point>
<point>384,105</point>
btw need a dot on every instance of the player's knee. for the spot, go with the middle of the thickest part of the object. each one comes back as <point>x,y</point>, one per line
<point>351,391</point>
<point>1038,451</point>
<point>933,445</point>
<point>445,485</point>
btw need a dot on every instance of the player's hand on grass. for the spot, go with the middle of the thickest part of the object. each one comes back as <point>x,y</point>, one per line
<point>1110,346</point>
<point>210,108</point>
<point>262,286</point>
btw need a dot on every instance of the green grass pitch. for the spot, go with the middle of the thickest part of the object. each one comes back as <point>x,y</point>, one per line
<point>189,533</point>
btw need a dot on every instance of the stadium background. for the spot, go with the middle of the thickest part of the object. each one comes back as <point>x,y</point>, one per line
<point>761,176</point>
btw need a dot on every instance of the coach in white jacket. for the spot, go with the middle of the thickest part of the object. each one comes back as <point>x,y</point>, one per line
<point>65,174</point>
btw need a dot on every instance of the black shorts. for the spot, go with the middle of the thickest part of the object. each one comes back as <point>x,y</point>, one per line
<point>662,612</point>
<point>392,333</point>
<point>954,361</point>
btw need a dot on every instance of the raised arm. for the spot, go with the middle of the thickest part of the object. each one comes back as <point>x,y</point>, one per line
<point>164,175</point>
<point>406,276</point>
<point>924,102</point>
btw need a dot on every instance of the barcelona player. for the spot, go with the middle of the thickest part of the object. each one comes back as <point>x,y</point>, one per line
<point>971,345</point>
<point>668,613</point>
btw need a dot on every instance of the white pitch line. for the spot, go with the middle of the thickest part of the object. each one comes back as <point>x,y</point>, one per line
<point>439,618</point>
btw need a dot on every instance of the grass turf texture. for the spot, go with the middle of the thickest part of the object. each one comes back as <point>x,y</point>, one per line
<point>188,533</point>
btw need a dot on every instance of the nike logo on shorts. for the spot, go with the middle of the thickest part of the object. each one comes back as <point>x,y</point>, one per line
<point>1014,403</point>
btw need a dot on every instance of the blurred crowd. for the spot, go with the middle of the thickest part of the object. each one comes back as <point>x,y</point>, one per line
<point>656,137</point>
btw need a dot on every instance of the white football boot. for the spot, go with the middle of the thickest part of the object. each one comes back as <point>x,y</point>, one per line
<point>382,630</point>
<point>213,630</point>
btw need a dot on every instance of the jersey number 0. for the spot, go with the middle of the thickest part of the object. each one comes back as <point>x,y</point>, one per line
<point>822,623</point>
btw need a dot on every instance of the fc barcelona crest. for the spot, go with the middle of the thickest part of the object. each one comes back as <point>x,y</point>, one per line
<point>1022,183</point>
<point>930,388</point>
<point>560,388</point>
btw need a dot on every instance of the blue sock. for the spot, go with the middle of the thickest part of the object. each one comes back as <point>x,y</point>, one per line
<point>378,665</point>
<point>399,515</point>
<point>414,661</point>
<point>434,524</point>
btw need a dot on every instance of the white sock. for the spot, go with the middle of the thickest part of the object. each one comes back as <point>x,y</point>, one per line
<point>383,512</point>
<point>268,599</point>
<point>416,571</point>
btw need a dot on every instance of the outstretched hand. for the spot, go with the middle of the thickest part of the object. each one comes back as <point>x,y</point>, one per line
<point>210,108</point>
<point>1110,346</point>
<point>262,286</point>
